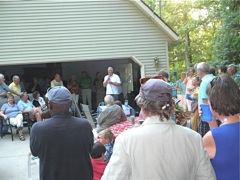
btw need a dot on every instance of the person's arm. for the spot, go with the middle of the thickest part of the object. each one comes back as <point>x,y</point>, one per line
<point>21,108</point>
<point>119,165</point>
<point>123,116</point>
<point>3,94</point>
<point>185,80</point>
<point>117,82</point>
<point>35,83</point>
<point>13,92</point>
<point>212,124</point>
<point>204,166</point>
<point>34,142</point>
<point>8,89</point>
<point>3,115</point>
<point>209,144</point>
<point>105,82</point>
<point>102,117</point>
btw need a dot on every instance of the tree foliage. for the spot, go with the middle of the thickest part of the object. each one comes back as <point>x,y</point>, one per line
<point>213,27</point>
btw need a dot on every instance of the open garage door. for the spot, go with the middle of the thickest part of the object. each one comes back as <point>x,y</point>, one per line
<point>129,69</point>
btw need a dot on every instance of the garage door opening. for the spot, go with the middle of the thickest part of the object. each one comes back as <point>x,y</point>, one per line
<point>129,70</point>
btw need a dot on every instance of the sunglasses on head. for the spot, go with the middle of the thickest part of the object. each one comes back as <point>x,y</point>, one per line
<point>145,79</point>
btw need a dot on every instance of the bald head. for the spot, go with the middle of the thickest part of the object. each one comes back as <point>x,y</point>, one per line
<point>110,71</point>
<point>203,67</point>
<point>108,99</point>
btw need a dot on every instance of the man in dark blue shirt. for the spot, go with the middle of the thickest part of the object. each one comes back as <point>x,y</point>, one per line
<point>63,142</point>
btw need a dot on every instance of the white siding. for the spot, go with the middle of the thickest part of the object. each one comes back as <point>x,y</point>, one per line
<point>57,31</point>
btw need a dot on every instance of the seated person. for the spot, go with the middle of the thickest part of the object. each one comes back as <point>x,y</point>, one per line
<point>10,110</point>
<point>15,85</point>
<point>117,102</point>
<point>4,89</point>
<point>39,101</point>
<point>106,138</point>
<point>57,81</point>
<point>97,160</point>
<point>113,114</point>
<point>34,85</point>
<point>27,107</point>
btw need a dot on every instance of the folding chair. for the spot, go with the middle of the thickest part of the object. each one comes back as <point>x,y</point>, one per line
<point>75,110</point>
<point>87,112</point>
<point>27,121</point>
<point>6,125</point>
<point>31,160</point>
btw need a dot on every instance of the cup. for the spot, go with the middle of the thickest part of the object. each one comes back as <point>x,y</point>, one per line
<point>206,113</point>
<point>132,118</point>
<point>187,96</point>
<point>140,121</point>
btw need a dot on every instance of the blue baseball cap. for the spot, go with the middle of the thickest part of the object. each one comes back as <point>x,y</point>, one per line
<point>59,95</point>
<point>155,90</point>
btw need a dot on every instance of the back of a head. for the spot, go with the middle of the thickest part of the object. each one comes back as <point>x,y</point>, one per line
<point>233,66</point>
<point>117,102</point>
<point>59,97</point>
<point>35,93</point>
<point>223,68</point>
<point>212,71</point>
<point>107,134</point>
<point>204,67</point>
<point>108,99</point>
<point>163,73</point>
<point>98,150</point>
<point>229,103</point>
<point>155,98</point>
<point>1,76</point>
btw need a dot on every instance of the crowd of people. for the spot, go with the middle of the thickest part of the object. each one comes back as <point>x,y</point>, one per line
<point>158,148</point>
<point>84,89</point>
<point>193,88</point>
<point>37,107</point>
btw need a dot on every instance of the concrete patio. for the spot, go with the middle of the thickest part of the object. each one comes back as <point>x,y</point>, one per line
<point>14,158</point>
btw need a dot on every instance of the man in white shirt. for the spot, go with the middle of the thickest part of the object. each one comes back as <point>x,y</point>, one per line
<point>111,82</point>
<point>159,148</point>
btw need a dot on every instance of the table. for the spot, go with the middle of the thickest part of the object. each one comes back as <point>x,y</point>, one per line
<point>123,126</point>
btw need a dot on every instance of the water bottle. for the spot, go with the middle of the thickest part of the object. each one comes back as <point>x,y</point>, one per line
<point>126,103</point>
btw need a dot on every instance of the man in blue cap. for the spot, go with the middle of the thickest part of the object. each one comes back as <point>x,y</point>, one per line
<point>62,142</point>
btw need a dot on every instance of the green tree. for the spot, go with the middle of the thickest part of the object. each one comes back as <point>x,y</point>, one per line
<point>227,41</point>
<point>209,30</point>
